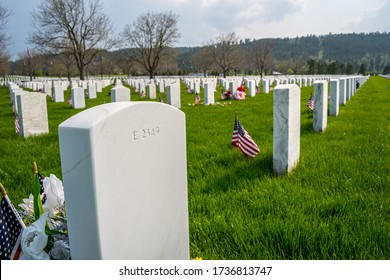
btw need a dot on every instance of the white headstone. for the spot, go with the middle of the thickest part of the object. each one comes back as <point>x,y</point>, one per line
<point>32,113</point>
<point>125,171</point>
<point>348,88</point>
<point>151,91</point>
<point>161,86</point>
<point>99,86</point>
<point>334,97</point>
<point>208,93</point>
<point>287,119</point>
<point>78,98</point>
<point>266,86</point>
<point>320,116</point>
<point>252,88</point>
<point>91,91</point>
<point>120,94</point>
<point>343,90</point>
<point>58,93</point>
<point>173,95</point>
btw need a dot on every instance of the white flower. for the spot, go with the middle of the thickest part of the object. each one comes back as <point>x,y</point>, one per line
<point>28,206</point>
<point>34,240</point>
<point>54,191</point>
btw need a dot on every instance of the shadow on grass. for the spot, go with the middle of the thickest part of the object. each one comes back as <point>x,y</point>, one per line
<point>240,173</point>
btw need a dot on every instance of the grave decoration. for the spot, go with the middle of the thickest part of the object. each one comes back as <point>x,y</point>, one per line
<point>46,234</point>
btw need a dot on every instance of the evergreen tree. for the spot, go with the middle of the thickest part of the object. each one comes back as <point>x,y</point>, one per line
<point>349,70</point>
<point>386,70</point>
<point>362,69</point>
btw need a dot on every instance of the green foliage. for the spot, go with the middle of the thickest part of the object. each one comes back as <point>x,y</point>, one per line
<point>334,205</point>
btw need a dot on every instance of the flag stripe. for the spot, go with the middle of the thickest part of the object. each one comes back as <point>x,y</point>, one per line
<point>17,125</point>
<point>243,141</point>
<point>310,103</point>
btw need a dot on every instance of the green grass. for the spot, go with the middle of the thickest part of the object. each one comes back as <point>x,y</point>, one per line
<point>334,205</point>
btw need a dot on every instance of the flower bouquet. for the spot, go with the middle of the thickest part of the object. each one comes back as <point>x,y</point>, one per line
<point>46,234</point>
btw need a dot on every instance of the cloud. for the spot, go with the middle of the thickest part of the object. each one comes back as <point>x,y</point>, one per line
<point>374,20</point>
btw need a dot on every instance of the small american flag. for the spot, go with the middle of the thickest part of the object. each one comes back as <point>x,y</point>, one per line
<point>11,227</point>
<point>70,101</point>
<point>197,98</point>
<point>310,103</point>
<point>17,124</point>
<point>242,140</point>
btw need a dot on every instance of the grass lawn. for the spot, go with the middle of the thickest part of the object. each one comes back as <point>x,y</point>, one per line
<point>334,205</point>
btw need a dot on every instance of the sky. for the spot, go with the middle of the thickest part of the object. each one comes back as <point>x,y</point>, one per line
<point>201,21</point>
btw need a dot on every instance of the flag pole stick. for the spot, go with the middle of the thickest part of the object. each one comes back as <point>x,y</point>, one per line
<point>35,168</point>
<point>236,116</point>
<point>2,189</point>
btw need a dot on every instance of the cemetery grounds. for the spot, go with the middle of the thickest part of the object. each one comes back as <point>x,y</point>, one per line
<point>334,205</point>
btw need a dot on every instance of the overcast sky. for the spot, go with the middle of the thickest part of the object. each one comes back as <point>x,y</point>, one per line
<point>203,20</point>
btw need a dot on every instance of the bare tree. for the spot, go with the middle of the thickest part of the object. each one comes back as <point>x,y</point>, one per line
<point>226,53</point>
<point>150,38</point>
<point>202,60</point>
<point>4,14</point>
<point>261,55</point>
<point>4,64</point>
<point>31,62</point>
<point>4,40</point>
<point>76,27</point>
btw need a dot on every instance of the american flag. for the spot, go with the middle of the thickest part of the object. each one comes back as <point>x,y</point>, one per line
<point>42,191</point>
<point>11,227</point>
<point>310,103</point>
<point>242,140</point>
<point>70,101</point>
<point>197,98</point>
<point>17,124</point>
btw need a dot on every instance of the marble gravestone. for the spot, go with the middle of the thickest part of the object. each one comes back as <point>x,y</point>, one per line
<point>32,113</point>
<point>265,86</point>
<point>78,98</point>
<point>120,93</point>
<point>348,88</point>
<point>173,95</point>
<point>91,91</point>
<point>98,86</point>
<point>286,143</point>
<point>58,93</point>
<point>208,94</point>
<point>342,89</point>
<point>320,116</point>
<point>151,91</point>
<point>252,88</point>
<point>334,97</point>
<point>125,171</point>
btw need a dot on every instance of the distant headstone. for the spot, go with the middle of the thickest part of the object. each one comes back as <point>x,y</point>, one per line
<point>161,86</point>
<point>287,119</point>
<point>125,171</point>
<point>91,91</point>
<point>208,94</point>
<point>78,98</point>
<point>32,113</point>
<point>173,95</point>
<point>120,93</point>
<point>266,86</point>
<point>252,88</point>
<point>98,86</point>
<point>320,116</point>
<point>58,93</point>
<point>343,90</point>
<point>348,88</point>
<point>151,91</point>
<point>334,97</point>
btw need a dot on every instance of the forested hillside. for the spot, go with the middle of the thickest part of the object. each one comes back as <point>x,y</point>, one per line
<point>372,49</point>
